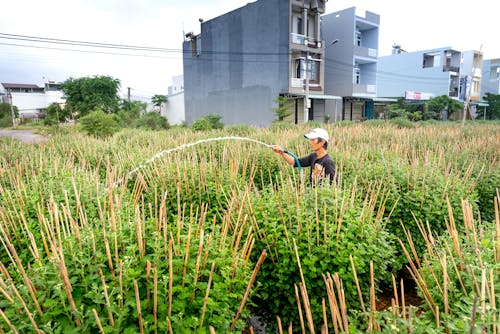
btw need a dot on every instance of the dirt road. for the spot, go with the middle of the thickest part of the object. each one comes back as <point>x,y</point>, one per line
<point>27,136</point>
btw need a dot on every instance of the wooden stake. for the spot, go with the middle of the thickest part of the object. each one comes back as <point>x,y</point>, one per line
<point>96,316</point>
<point>106,297</point>
<point>249,286</point>
<point>206,295</point>
<point>138,304</point>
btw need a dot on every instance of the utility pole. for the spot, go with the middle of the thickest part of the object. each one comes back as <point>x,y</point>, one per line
<point>128,94</point>
<point>11,109</point>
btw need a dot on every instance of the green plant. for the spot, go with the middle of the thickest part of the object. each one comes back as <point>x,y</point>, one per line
<point>282,111</point>
<point>152,121</point>
<point>99,124</point>
<point>209,122</point>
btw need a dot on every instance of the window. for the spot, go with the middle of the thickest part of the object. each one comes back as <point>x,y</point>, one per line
<point>357,76</point>
<point>358,37</point>
<point>299,26</point>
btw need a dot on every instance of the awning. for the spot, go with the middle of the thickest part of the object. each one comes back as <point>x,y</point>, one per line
<point>383,99</point>
<point>324,97</point>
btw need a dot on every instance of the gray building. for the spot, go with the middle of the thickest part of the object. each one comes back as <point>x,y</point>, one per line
<point>351,64</point>
<point>491,77</point>
<point>243,60</point>
<point>422,75</point>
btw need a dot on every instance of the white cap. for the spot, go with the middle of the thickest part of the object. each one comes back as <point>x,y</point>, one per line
<point>317,133</point>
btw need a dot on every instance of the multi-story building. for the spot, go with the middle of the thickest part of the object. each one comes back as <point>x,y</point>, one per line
<point>174,109</point>
<point>30,99</point>
<point>491,77</point>
<point>422,75</point>
<point>351,64</point>
<point>242,61</point>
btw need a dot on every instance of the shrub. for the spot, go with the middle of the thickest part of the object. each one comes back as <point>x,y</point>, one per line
<point>209,122</point>
<point>99,124</point>
<point>327,231</point>
<point>152,121</point>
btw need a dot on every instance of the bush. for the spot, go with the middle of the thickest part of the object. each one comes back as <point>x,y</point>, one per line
<point>152,121</point>
<point>99,124</point>
<point>327,231</point>
<point>209,122</point>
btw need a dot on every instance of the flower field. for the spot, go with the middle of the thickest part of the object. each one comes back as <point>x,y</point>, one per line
<point>144,233</point>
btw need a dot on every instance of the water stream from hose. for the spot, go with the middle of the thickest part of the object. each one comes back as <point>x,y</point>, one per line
<point>184,146</point>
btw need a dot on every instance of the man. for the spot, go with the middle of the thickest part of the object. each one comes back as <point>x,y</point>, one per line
<point>321,163</point>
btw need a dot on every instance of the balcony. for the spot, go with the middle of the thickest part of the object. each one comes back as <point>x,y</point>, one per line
<point>304,41</point>
<point>361,51</point>
<point>364,89</point>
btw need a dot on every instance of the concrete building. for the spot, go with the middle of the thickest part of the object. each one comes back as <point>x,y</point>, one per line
<point>30,99</point>
<point>422,75</point>
<point>245,59</point>
<point>351,64</point>
<point>491,77</point>
<point>174,109</point>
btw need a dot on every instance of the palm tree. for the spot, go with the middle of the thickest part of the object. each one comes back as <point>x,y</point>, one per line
<point>158,100</point>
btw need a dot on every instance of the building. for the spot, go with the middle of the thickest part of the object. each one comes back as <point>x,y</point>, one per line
<point>30,99</point>
<point>174,110</point>
<point>351,64</point>
<point>242,61</point>
<point>491,77</point>
<point>422,75</point>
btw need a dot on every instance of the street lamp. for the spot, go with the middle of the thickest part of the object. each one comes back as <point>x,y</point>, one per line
<point>307,102</point>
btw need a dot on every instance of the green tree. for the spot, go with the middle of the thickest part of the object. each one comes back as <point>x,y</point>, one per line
<point>99,124</point>
<point>86,94</point>
<point>152,121</point>
<point>158,100</point>
<point>6,114</point>
<point>282,111</point>
<point>130,112</point>
<point>443,103</point>
<point>493,109</point>
<point>56,114</point>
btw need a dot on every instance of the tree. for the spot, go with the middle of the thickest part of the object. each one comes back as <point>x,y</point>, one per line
<point>152,121</point>
<point>130,112</point>
<point>158,100</point>
<point>444,103</point>
<point>6,114</point>
<point>55,114</point>
<point>282,111</point>
<point>493,109</point>
<point>86,94</point>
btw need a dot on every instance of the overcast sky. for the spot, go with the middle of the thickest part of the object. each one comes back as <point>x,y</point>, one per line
<point>416,25</point>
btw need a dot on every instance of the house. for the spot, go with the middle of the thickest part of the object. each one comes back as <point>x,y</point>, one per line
<point>351,63</point>
<point>30,99</point>
<point>422,75</point>
<point>491,77</point>
<point>242,61</point>
<point>174,109</point>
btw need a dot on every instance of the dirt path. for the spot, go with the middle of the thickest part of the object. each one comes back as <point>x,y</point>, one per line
<point>27,136</point>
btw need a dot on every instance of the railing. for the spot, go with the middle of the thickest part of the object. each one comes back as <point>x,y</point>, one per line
<point>304,40</point>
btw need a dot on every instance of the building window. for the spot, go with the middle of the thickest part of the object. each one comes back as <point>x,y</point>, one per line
<point>431,60</point>
<point>357,76</point>
<point>299,26</point>
<point>358,37</point>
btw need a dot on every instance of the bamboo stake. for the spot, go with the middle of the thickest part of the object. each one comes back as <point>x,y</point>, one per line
<point>212,330</point>
<point>186,257</point>
<point>395,289</point>
<point>96,316</point>
<point>301,317</point>
<point>106,297</point>
<point>307,308</point>
<point>360,295</point>
<point>12,328</point>
<point>342,304</point>
<point>170,280</point>
<point>473,316</point>
<point>155,297</point>
<point>332,302</point>
<point>28,313</point>
<point>324,329</point>
<point>249,286</point>
<point>138,304</point>
<point>403,298</point>
<point>205,301</point>
<point>280,328</point>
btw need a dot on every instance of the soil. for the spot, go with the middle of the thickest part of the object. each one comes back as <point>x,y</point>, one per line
<point>27,136</point>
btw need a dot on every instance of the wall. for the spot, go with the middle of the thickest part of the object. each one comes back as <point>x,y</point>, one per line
<point>404,72</point>
<point>489,85</point>
<point>243,64</point>
<point>174,109</point>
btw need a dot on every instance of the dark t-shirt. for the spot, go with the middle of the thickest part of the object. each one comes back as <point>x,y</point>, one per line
<point>325,170</point>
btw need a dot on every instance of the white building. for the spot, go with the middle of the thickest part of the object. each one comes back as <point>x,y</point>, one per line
<point>31,100</point>
<point>174,111</point>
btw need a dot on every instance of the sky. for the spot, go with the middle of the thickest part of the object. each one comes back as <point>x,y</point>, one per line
<point>162,24</point>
